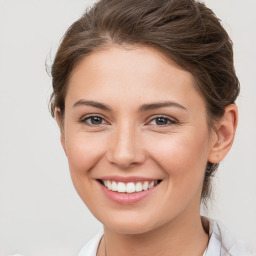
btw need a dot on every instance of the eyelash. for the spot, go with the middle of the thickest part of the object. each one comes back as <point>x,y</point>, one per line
<point>169,121</point>
<point>86,118</point>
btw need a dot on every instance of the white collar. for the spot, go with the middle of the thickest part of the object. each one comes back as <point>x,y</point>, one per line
<point>220,243</point>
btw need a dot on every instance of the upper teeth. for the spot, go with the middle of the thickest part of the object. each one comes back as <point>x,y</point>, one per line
<point>129,187</point>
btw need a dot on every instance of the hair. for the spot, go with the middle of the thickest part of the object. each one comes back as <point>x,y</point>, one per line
<point>185,31</point>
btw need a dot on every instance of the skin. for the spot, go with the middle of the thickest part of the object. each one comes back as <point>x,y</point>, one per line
<point>128,141</point>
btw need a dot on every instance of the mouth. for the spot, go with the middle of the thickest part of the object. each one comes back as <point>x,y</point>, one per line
<point>129,187</point>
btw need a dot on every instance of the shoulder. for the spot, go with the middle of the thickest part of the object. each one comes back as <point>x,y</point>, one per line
<point>222,242</point>
<point>90,248</point>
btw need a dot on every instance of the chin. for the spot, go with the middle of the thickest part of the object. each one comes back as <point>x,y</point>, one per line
<point>131,224</point>
<point>129,228</point>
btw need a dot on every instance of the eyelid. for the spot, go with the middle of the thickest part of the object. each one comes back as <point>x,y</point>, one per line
<point>85,117</point>
<point>171,119</point>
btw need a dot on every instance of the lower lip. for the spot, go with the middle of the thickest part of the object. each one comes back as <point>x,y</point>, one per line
<point>126,198</point>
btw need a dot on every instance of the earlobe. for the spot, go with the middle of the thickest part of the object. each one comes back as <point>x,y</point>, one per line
<point>59,120</point>
<point>225,134</point>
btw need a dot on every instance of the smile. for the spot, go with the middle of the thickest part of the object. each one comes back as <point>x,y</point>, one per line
<point>128,190</point>
<point>130,187</point>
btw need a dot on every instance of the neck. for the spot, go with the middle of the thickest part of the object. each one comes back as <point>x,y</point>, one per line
<point>183,236</point>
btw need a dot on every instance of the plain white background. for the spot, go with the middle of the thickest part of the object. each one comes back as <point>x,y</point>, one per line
<point>40,212</point>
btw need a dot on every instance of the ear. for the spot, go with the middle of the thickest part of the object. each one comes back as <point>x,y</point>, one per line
<point>60,123</point>
<point>224,135</point>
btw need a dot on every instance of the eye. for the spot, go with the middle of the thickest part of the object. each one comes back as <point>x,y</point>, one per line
<point>161,121</point>
<point>93,120</point>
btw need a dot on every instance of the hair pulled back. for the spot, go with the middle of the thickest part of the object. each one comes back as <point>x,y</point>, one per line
<point>185,31</point>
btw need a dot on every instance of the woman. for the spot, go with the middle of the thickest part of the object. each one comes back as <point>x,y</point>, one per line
<point>144,94</point>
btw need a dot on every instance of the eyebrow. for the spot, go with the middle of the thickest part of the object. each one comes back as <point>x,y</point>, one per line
<point>157,105</point>
<point>91,103</point>
<point>143,108</point>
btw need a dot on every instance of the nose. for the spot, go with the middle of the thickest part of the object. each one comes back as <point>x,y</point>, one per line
<point>126,148</point>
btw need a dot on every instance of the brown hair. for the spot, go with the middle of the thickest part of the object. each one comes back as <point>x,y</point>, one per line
<point>186,31</point>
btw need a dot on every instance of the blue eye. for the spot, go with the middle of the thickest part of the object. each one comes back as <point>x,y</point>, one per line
<point>161,121</point>
<point>94,120</point>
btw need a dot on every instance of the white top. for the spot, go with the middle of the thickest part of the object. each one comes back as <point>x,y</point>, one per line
<point>220,243</point>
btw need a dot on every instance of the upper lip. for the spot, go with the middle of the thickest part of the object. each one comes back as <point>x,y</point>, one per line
<point>127,179</point>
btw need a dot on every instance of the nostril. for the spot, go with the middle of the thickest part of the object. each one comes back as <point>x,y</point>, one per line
<point>125,150</point>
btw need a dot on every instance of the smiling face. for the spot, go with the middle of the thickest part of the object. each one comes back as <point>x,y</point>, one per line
<point>134,119</point>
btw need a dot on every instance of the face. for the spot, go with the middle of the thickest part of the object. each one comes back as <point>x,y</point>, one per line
<point>136,138</point>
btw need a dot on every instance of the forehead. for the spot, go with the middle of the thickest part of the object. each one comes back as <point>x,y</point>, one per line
<point>130,74</point>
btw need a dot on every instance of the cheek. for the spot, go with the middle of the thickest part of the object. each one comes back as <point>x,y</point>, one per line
<point>183,159</point>
<point>83,153</point>
<point>182,156</point>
